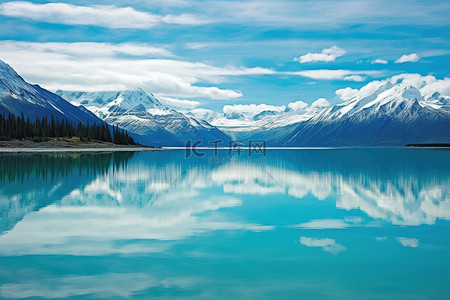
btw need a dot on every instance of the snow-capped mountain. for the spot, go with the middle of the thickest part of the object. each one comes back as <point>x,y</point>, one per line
<point>437,101</point>
<point>257,120</point>
<point>392,112</point>
<point>141,113</point>
<point>17,96</point>
<point>393,115</point>
<point>386,113</point>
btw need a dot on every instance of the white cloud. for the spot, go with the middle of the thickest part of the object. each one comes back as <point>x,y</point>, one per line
<point>97,15</point>
<point>413,57</point>
<point>321,102</point>
<point>379,61</point>
<point>196,46</point>
<point>111,67</point>
<point>437,85</point>
<point>87,49</point>
<point>347,93</point>
<point>324,74</point>
<point>355,78</point>
<point>251,109</point>
<point>327,14</point>
<point>183,19</point>
<point>381,238</point>
<point>327,244</point>
<point>298,105</point>
<point>327,55</point>
<point>408,242</point>
<point>178,102</point>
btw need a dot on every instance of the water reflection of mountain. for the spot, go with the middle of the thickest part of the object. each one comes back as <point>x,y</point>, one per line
<point>161,196</point>
<point>401,186</point>
<point>34,180</point>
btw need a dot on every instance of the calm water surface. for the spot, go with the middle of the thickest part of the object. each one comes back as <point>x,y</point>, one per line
<point>295,224</point>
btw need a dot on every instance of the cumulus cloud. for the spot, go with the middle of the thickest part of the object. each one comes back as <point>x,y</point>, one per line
<point>324,74</point>
<point>413,57</point>
<point>347,93</point>
<point>298,105</point>
<point>379,61</point>
<point>327,55</point>
<point>321,102</point>
<point>327,244</point>
<point>97,15</point>
<point>110,67</point>
<point>408,242</point>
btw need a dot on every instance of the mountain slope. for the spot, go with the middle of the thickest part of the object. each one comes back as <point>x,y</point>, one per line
<point>392,113</point>
<point>391,116</point>
<point>141,113</point>
<point>17,97</point>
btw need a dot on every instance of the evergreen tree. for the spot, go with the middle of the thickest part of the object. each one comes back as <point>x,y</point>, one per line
<point>12,127</point>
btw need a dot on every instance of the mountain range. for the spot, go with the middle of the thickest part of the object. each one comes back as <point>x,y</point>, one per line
<point>141,113</point>
<point>395,113</point>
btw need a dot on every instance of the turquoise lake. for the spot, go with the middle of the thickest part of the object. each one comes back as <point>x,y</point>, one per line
<point>291,224</point>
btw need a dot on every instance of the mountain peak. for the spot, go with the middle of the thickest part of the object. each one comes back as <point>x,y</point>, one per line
<point>7,73</point>
<point>435,96</point>
<point>411,92</point>
<point>20,97</point>
<point>127,99</point>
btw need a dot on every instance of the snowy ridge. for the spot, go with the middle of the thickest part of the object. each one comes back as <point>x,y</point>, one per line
<point>19,97</point>
<point>392,112</point>
<point>140,112</point>
<point>393,115</point>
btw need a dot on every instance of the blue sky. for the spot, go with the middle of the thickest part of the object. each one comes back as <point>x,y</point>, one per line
<point>207,54</point>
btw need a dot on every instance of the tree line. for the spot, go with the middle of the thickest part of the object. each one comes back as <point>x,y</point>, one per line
<point>50,166</point>
<point>12,127</point>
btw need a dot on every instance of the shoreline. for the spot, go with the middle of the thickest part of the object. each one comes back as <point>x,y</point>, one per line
<point>75,145</point>
<point>68,145</point>
<point>87,149</point>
